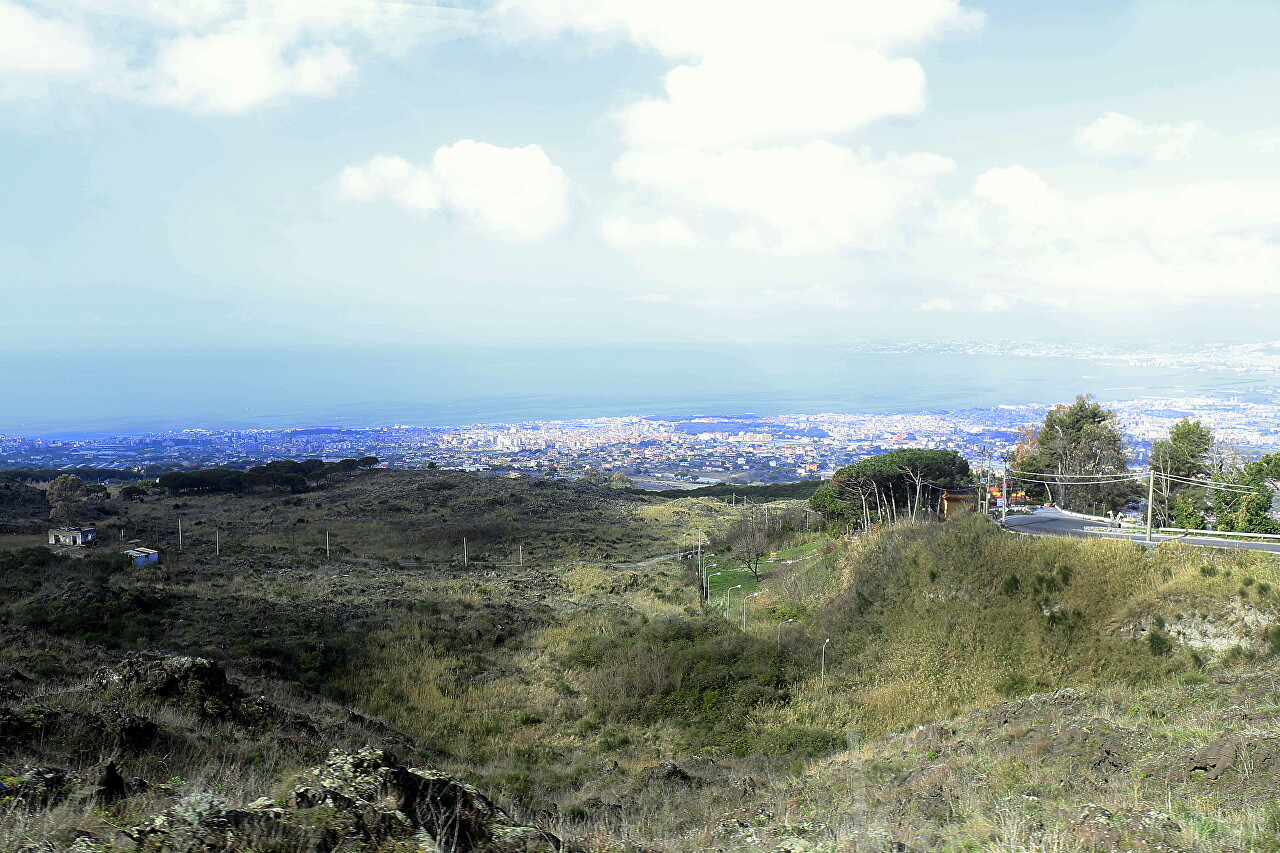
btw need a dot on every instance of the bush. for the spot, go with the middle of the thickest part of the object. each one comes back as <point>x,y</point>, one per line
<point>700,674</point>
<point>1159,643</point>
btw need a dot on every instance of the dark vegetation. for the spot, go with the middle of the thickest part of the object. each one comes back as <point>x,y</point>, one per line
<point>760,494</point>
<point>702,675</point>
<point>23,508</point>
<point>45,475</point>
<point>285,474</point>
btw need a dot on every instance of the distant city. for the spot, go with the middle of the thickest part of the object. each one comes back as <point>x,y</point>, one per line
<point>656,453</point>
<point>1262,357</point>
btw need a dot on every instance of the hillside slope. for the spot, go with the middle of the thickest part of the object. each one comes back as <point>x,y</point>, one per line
<point>614,707</point>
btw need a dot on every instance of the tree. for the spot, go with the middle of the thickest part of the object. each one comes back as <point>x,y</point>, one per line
<point>1247,512</point>
<point>133,493</point>
<point>936,469</point>
<point>749,544</point>
<point>66,499</point>
<point>890,485</point>
<point>1078,440</point>
<point>1188,513</point>
<point>1025,457</point>
<point>1184,454</point>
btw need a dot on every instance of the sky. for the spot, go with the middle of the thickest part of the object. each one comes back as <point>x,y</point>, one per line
<point>636,172</point>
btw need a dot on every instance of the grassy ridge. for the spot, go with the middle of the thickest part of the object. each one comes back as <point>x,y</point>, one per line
<point>933,620</point>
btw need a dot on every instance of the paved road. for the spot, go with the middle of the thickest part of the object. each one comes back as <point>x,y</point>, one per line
<point>1053,522</point>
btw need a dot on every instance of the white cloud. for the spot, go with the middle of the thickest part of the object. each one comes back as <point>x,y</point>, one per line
<point>818,197</point>
<point>1176,245</point>
<point>1120,138</point>
<point>1020,192</point>
<point>243,66</point>
<point>512,194</point>
<point>770,301</point>
<point>413,188</point>
<point>824,90</point>
<point>741,148</point>
<point>625,232</point>
<point>35,48</point>
<point>758,71</point>
<point>679,29</point>
<point>217,56</point>
<point>986,303</point>
<point>1266,144</point>
<point>936,303</point>
<point>172,14</point>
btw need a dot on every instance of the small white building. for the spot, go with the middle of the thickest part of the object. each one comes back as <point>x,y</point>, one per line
<point>73,536</point>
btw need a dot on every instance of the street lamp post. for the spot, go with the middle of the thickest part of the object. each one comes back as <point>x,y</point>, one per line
<point>702,569</point>
<point>780,624</point>
<point>823,682</point>
<point>744,608</point>
<point>709,577</point>
<point>727,592</point>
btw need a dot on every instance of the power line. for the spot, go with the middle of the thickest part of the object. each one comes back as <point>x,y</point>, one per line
<point>1225,487</point>
<point>1095,475</point>
<point>1095,482</point>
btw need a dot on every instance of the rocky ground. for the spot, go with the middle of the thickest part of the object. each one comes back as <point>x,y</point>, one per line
<point>134,727</point>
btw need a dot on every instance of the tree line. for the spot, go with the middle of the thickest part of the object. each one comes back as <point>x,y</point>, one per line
<point>1078,458</point>
<point>284,474</point>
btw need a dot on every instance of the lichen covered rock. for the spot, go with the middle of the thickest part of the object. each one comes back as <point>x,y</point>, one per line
<point>354,801</point>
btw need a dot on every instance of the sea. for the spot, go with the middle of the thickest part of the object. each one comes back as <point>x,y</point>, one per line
<point>80,393</point>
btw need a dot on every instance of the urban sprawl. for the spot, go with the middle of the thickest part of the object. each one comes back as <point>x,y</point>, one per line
<point>656,453</point>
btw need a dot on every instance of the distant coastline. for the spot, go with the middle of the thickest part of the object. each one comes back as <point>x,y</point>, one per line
<point>125,392</point>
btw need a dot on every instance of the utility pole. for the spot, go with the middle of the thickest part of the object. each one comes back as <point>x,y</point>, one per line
<point>1151,498</point>
<point>982,481</point>
<point>986,489</point>
<point>1004,496</point>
